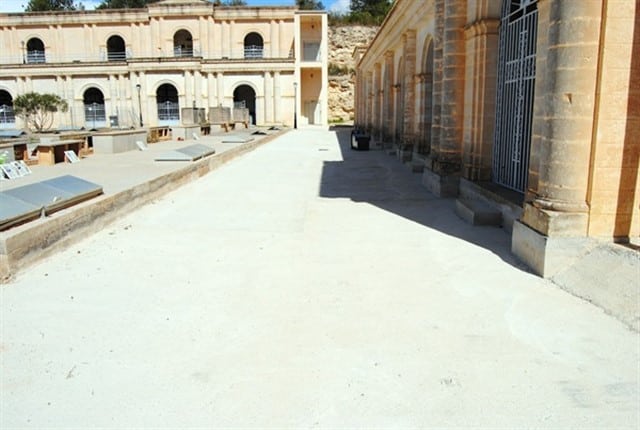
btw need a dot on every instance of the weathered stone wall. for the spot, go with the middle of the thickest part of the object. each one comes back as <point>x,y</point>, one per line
<point>342,41</point>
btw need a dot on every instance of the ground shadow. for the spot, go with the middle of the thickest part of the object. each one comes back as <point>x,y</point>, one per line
<point>381,180</point>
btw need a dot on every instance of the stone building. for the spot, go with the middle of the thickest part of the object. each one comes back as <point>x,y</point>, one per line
<point>527,111</point>
<point>135,67</point>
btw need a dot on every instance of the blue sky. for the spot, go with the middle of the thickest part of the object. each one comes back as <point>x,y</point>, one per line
<point>337,5</point>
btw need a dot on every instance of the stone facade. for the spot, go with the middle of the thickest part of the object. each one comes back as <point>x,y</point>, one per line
<point>536,100</point>
<point>138,67</point>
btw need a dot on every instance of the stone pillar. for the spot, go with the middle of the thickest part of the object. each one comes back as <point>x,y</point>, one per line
<point>438,39</point>
<point>220,92</point>
<point>224,40</point>
<point>197,88</point>
<point>441,176</point>
<point>377,99</point>
<point>277,94</point>
<point>479,105</point>
<point>388,98</point>
<point>268,98</point>
<point>557,212</point>
<point>409,86</point>
<point>274,39</point>
<point>211,91</point>
<point>369,99</point>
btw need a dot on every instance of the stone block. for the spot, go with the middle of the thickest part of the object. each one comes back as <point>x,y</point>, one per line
<point>476,212</point>
<point>546,256</point>
<point>440,186</point>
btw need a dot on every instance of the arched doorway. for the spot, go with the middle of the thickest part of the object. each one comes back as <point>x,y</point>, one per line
<point>424,147</point>
<point>35,51</point>
<point>253,46</point>
<point>94,110</point>
<point>245,97</point>
<point>168,105</point>
<point>7,117</point>
<point>116,50</point>
<point>182,44</point>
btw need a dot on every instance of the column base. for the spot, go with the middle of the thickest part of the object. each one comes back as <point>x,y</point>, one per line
<point>546,256</point>
<point>441,186</point>
<point>556,223</point>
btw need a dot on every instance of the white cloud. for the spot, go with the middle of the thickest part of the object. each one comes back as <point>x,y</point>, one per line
<point>340,6</point>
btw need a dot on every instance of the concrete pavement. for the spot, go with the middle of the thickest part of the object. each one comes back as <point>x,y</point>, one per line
<point>306,286</point>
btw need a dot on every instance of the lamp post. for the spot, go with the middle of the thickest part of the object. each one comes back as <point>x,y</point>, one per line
<point>295,105</point>
<point>139,88</point>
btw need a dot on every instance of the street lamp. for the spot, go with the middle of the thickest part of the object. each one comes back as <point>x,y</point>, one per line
<point>139,88</point>
<point>295,105</point>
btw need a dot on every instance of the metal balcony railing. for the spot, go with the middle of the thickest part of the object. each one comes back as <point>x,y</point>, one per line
<point>251,52</point>
<point>243,53</point>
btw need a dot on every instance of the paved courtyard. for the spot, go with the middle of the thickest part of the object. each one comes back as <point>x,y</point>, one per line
<point>304,285</point>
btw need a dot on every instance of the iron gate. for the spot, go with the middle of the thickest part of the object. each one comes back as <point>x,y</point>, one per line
<point>168,111</point>
<point>516,82</point>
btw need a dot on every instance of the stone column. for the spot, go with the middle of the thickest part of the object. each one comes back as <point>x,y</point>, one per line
<point>377,99</point>
<point>224,40</point>
<point>479,104</point>
<point>557,212</point>
<point>220,92</point>
<point>268,98</point>
<point>369,99</point>
<point>438,39</point>
<point>388,99</point>
<point>197,88</point>
<point>274,39</point>
<point>449,158</point>
<point>277,94</point>
<point>409,87</point>
<point>211,91</point>
<point>441,176</point>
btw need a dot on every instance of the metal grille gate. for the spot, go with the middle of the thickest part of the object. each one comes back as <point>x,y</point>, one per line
<point>516,82</point>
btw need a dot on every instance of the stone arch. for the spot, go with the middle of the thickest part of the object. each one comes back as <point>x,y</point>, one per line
<point>253,45</point>
<point>168,103</point>
<point>244,95</point>
<point>35,51</point>
<point>7,117</point>
<point>182,43</point>
<point>116,48</point>
<point>94,108</point>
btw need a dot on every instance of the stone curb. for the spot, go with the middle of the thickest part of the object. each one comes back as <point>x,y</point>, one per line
<point>22,247</point>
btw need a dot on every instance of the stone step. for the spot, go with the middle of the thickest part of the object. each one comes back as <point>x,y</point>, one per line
<point>477,212</point>
<point>416,166</point>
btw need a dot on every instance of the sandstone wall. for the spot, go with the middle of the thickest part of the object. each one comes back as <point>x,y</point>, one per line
<point>342,41</point>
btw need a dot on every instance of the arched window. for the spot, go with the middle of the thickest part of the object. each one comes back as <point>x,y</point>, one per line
<point>253,46</point>
<point>168,105</point>
<point>7,118</point>
<point>244,97</point>
<point>94,110</point>
<point>35,51</point>
<point>182,44</point>
<point>116,50</point>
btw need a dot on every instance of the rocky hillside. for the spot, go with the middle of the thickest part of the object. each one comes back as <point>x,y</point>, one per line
<point>342,41</point>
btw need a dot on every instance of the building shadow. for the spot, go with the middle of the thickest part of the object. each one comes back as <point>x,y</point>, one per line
<point>376,178</point>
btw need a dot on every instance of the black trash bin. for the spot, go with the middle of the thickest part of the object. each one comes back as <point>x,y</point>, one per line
<point>360,141</point>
